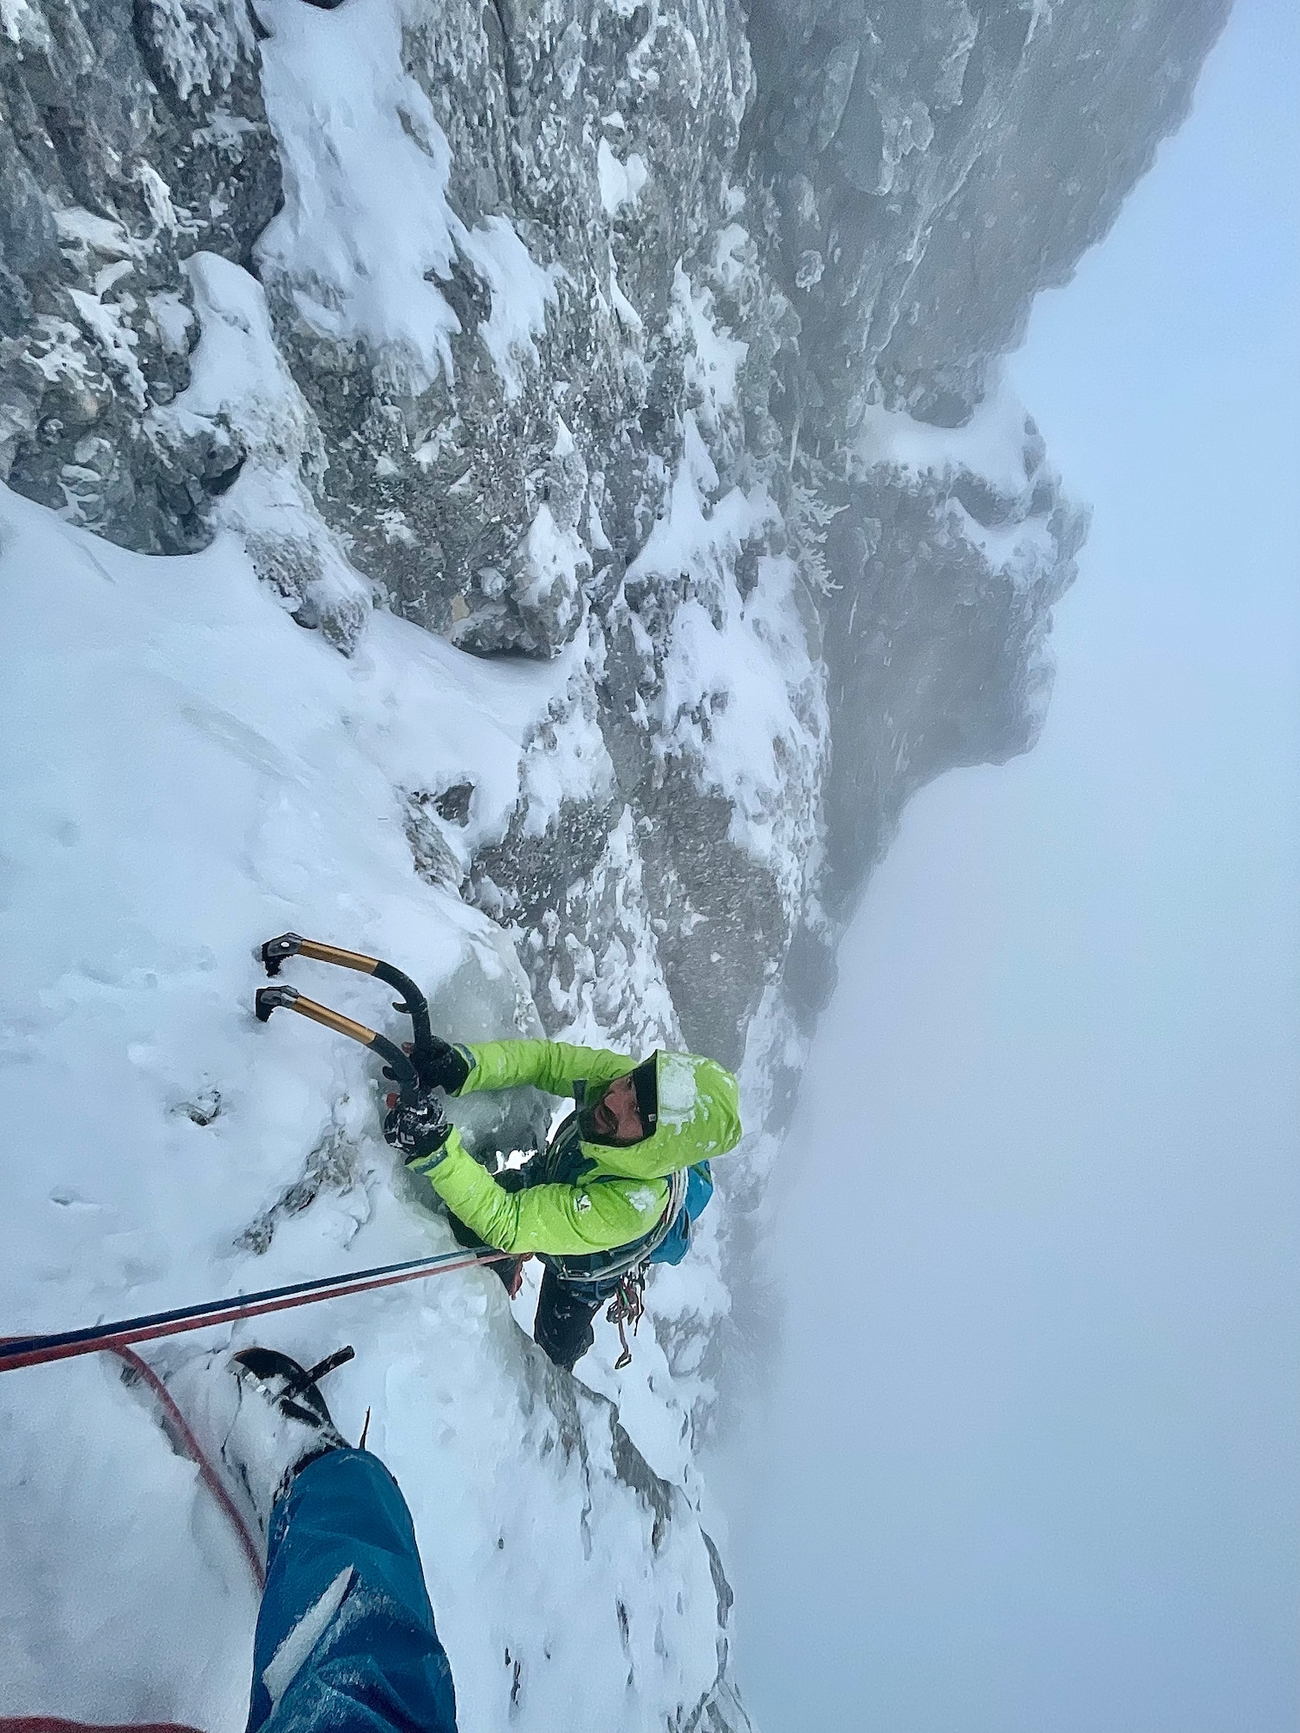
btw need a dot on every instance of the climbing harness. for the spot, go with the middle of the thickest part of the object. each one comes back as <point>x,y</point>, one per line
<point>628,1304</point>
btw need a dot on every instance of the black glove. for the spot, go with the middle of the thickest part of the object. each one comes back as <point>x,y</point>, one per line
<point>419,1130</point>
<point>444,1068</point>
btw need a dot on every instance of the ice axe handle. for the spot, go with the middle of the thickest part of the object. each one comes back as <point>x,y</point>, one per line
<point>277,951</point>
<point>288,998</point>
<point>413,1002</point>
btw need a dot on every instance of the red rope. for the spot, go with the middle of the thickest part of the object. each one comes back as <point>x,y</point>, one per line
<point>53,1724</point>
<point>38,1350</point>
<point>178,1428</point>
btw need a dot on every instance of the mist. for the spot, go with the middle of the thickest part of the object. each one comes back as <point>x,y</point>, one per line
<point>1027,1460</point>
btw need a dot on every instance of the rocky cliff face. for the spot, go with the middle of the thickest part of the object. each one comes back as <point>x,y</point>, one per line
<point>658,342</point>
<point>590,307</point>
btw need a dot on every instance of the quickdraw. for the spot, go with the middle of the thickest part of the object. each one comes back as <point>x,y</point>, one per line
<point>627,1307</point>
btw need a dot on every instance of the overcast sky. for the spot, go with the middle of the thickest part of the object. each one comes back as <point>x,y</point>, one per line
<point>1031,1460</point>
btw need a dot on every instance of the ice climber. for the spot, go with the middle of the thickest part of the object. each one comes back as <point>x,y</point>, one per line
<point>616,1188</point>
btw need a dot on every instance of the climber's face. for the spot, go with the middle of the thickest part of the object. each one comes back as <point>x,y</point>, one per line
<point>616,1115</point>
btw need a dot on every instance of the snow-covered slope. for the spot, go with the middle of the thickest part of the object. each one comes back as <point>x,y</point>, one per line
<point>187,772</point>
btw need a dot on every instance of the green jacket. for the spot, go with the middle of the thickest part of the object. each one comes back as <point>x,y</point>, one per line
<point>599,1197</point>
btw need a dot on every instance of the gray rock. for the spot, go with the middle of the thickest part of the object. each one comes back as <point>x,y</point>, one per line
<point>129,138</point>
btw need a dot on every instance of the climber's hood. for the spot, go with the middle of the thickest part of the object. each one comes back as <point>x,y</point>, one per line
<point>696,1117</point>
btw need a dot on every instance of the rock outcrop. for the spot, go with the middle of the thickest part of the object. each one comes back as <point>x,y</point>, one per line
<point>593,310</point>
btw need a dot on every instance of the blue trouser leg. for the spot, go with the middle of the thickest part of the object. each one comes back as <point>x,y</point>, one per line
<point>345,1635</point>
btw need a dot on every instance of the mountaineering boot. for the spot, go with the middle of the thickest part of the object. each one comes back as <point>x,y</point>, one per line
<point>258,1418</point>
<point>280,1424</point>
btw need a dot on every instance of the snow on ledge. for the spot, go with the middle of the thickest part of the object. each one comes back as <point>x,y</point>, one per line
<point>990,445</point>
<point>620,182</point>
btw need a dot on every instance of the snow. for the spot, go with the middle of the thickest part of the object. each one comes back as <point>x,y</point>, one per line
<point>80,228</point>
<point>237,375</point>
<point>365,222</point>
<point>566,758</point>
<point>201,41</point>
<point>174,321</point>
<point>117,342</point>
<point>997,446</point>
<point>991,444</point>
<point>521,293</point>
<point>1021,550</point>
<point>620,182</point>
<point>717,355</point>
<point>629,318</point>
<point>287,1661</point>
<point>366,232</point>
<point>158,196</point>
<point>616,997</point>
<point>743,694</point>
<point>22,22</point>
<point>555,558</point>
<point>677,1092</point>
<point>187,772</point>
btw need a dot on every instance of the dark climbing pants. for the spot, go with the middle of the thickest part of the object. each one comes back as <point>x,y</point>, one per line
<point>565,1307</point>
<point>565,1310</point>
<point>345,1635</point>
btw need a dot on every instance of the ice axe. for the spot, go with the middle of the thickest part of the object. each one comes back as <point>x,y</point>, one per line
<point>411,1072</point>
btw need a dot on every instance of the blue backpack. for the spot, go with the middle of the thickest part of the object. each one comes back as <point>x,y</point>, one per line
<point>699,1189</point>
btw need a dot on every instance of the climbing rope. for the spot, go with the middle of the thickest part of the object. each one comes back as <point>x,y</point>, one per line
<point>16,1351</point>
<point>54,1724</point>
